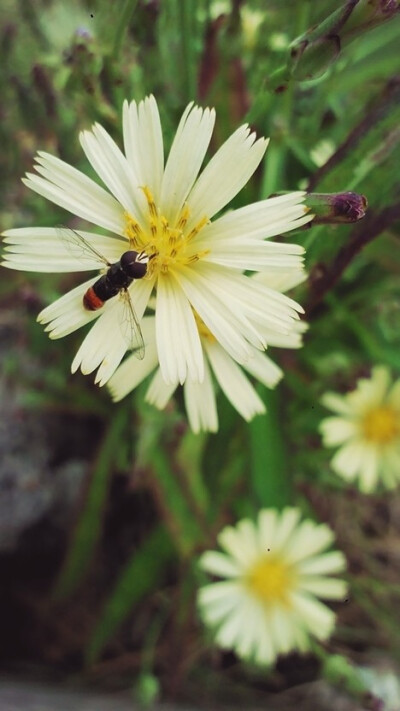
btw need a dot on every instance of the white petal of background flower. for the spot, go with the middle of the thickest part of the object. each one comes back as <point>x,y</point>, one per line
<point>336,403</point>
<point>309,539</point>
<point>265,652</point>
<point>347,461</point>
<point>332,562</point>
<point>369,471</point>
<point>286,525</point>
<point>247,636</point>
<point>319,619</point>
<point>394,395</point>
<point>280,625</point>
<point>326,588</point>
<point>219,599</point>
<point>219,564</point>
<point>267,525</point>
<point>336,430</point>
<point>231,540</point>
<point>247,531</point>
<point>229,633</point>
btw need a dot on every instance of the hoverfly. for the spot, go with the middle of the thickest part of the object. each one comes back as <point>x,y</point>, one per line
<point>116,280</point>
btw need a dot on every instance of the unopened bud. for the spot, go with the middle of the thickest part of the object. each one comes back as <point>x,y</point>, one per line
<point>334,208</point>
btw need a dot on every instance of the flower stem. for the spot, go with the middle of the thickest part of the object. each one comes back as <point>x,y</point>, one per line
<point>88,528</point>
<point>187,14</point>
<point>122,26</point>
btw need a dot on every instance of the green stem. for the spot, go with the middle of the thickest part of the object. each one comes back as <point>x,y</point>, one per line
<point>339,671</point>
<point>122,26</point>
<point>177,509</point>
<point>186,13</point>
<point>143,574</point>
<point>270,482</point>
<point>87,531</point>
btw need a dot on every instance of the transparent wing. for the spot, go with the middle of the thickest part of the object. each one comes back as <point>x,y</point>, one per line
<point>79,247</point>
<point>130,327</point>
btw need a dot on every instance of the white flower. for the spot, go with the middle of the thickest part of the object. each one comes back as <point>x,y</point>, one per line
<point>195,264</point>
<point>367,426</point>
<point>200,398</point>
<point>275,571</point>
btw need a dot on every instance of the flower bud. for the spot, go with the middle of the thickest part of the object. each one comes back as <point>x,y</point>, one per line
<point>334,208</point>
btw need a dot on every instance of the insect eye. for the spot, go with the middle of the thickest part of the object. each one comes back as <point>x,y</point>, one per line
<point>131,266</point>
<point>128,259</point>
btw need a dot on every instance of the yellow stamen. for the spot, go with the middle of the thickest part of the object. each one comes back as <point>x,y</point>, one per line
<point>197,228</point>
<point>198,255</point>
<point>132,230</point>
<point>271,580</point>
<point>150,201</point>
<point>167,244</point>
<point>184,216</point>
<point>381,425</point>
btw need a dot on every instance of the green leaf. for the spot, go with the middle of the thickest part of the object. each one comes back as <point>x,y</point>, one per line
<point>141,576</point>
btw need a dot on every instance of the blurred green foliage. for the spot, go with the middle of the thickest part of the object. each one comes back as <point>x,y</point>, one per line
<point>333,118</point>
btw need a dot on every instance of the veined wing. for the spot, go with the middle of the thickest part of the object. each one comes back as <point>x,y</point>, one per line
<point>130,326</point>
<point>79,247</point>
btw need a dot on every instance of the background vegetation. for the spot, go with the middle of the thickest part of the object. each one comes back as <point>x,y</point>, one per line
<point>105,508</point>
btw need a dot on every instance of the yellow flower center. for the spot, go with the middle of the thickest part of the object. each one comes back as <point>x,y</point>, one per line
<point>271,580</point>
<point>167,246</point>
<point>381,425</point>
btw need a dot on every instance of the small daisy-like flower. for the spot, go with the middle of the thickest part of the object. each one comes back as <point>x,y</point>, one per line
<point>165,213</point>
<point>367,428</point>
<point>275,570</point>
<point>200,398</point>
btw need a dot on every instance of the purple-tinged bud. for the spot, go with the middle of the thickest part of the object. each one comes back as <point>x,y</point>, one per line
<point>331,208</point>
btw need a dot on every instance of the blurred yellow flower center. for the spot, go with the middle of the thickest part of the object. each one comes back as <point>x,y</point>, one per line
<point>271,580</point>
<point>168,245</point>
<point>381,425</point>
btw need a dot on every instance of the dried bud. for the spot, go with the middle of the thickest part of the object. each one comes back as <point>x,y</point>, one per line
<point>336,207</point>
